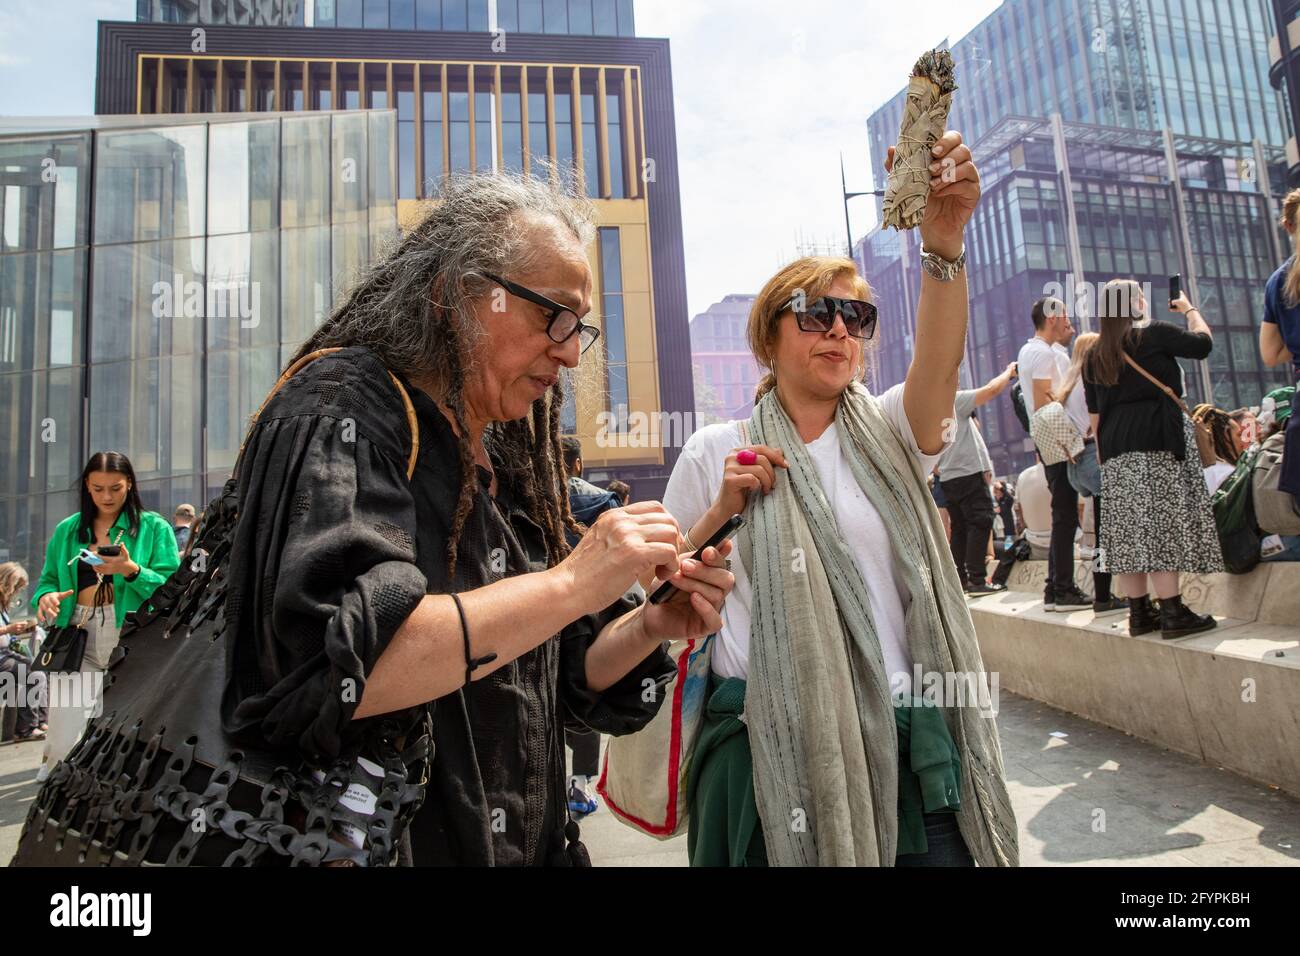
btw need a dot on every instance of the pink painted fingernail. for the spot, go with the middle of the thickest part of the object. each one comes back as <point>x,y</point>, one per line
<point>746,457</point>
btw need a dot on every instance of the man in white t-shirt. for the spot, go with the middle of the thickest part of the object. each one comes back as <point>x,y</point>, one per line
<point>1043,364</point>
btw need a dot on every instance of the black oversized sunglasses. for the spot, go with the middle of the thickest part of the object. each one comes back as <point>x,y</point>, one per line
<point>563,322</point>
<point>818,315</point>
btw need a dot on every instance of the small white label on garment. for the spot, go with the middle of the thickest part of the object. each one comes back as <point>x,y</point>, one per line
<point>358,798</point>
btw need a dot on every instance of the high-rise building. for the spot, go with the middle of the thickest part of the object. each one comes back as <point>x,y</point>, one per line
<point>1284,73</point>
<point>155,273</point>
<point>1126,138</point>
<point>725,369</point>
<point>564,82</point>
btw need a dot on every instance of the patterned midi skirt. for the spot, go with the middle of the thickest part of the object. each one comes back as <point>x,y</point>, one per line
<point>1158,515</point>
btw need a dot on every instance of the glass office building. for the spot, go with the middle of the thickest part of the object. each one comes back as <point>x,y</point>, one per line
<point>1199,67</point>
<point>1128,215</point>
<point>597,106</point>
<point>155,273</point>
<point>574,17</point>
<point>1166,155</point>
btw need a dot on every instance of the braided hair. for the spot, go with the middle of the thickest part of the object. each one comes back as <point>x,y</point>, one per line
<point>414,308</point>
<point>1220,425</point>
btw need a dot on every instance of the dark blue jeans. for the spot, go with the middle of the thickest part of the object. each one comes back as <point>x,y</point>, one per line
<point>944,841</point>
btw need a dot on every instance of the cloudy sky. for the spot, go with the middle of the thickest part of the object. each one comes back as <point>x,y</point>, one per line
<point>768,94</point>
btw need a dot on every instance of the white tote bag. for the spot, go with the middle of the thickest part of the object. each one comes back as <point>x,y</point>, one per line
<point>643,780</point>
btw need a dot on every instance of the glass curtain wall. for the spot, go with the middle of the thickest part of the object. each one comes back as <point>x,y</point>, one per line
<point>154,323</point>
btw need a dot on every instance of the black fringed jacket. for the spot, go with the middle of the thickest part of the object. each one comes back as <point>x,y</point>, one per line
<point>334,550</point>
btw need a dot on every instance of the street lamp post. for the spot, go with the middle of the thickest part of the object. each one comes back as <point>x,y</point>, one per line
<point>844,187</point>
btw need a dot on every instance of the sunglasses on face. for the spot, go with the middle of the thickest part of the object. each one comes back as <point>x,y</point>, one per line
<point>818,315</point>
<point>562,323</point>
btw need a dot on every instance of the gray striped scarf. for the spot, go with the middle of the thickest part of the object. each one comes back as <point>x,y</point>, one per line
<point>818,705</point>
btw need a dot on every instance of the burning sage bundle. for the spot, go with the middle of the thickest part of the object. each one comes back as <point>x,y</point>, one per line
<point>925,117</point>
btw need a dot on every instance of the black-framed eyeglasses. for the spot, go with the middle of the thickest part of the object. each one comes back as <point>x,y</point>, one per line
<point>563,322</point>
<point>818,315</point>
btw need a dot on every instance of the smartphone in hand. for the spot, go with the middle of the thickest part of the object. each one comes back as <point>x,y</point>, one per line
<point>110,550</point>
<point>728,530</point>
<point>1175,289</point>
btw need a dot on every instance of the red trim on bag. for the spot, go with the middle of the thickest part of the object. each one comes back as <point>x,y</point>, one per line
<point>669,826</point>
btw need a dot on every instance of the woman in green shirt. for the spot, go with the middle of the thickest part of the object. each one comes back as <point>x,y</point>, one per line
<point>98,596</point>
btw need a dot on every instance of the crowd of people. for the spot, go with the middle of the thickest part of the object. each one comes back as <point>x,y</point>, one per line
<point>469,581</point>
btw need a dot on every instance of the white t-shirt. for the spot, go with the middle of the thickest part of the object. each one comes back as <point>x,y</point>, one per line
<point>1039,360</point>
<point>694,484</point>
<point>1076,407</point>
<point>1217,474</point>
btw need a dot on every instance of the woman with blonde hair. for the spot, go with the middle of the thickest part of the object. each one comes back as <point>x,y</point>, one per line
<point>1084,472</point>
<point>816,747</point>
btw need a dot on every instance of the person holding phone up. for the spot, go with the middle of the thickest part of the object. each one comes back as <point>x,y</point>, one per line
<point>1157,520</point>
<point>811,747</point>
<point>102,562</point>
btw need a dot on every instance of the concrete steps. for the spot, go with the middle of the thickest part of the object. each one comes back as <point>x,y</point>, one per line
<point>1230,697</point>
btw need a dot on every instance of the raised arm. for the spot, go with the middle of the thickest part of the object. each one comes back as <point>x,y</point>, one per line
<point>944,307</point>
<point>996,386</point>
<point>1195,320</point>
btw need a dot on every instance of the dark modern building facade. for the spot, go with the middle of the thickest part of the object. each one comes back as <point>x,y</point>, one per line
<point>574,17</point>
<point>155,273</point>
<point>570,85</point>
<point>1150,143</point>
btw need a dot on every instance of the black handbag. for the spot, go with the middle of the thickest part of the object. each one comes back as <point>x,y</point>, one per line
<point>156,780</point>
<point>62,650</point>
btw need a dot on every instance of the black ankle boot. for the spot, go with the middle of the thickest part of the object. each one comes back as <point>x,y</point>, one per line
<point>1142,617</point>
<point>1178,620</point>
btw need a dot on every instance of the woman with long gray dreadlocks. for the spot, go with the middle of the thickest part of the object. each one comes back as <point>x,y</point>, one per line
<point>454,591</point>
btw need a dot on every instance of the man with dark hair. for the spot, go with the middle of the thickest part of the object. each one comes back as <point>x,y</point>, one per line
<point>587,502</point>
<point>622,489</point>
<point>1043,363</point>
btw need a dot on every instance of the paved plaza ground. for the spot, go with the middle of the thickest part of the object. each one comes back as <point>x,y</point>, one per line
<point>1159,808</point>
